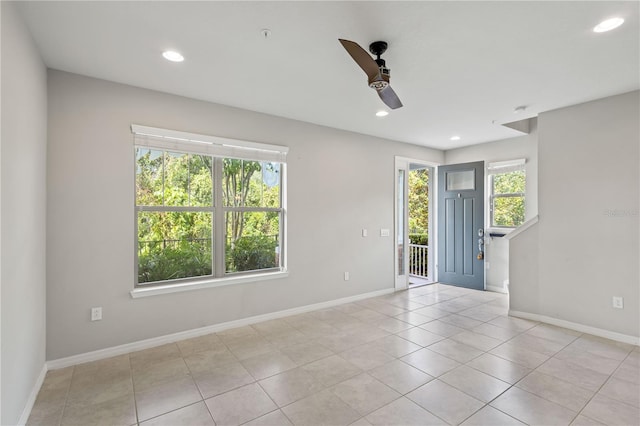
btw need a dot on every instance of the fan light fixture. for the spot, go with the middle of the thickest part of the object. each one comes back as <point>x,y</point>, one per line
<point>173,56</point>
<point>608,25</point>
<point>382,113</point>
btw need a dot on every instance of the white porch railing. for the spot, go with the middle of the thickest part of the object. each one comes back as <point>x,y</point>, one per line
<point>418,260</point>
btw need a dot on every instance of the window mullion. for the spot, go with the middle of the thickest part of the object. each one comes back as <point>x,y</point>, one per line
<point>219,230</point>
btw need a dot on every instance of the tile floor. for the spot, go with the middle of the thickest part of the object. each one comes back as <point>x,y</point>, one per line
<point>430,355</point>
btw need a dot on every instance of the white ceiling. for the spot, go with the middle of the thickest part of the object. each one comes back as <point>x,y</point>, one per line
<point>460,68</point>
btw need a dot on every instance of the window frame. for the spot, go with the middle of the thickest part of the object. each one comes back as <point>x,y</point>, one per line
<point>500,168</point>
<point>218,149</point>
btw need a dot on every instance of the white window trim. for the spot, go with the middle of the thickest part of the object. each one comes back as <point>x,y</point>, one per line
<point>186,142</point>
<point>147,291</point>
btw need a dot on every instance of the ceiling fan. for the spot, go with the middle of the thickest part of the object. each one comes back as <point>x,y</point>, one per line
<point>377,72</point>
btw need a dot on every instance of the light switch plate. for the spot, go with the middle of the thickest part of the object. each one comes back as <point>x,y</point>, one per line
<point>384,232</point>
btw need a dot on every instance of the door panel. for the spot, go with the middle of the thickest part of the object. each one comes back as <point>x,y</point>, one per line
<point>460,216</point>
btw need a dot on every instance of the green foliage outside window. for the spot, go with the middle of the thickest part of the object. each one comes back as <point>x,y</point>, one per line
<point>175,228</point>
<point>508,199</point>
<point>418,195</point>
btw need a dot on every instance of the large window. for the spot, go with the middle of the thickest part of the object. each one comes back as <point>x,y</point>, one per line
<point>206,208</point>
<point>507,181</point>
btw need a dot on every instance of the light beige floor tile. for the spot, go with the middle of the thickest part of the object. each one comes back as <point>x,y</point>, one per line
<point>159,372</point>
<point>237,333</point>
<point>274,418</point>
<point>532,409</point>
<point>200,344</point>
<point>432,312</point>
<point>100,389</point>
<point>585,421</point>
<point>341,341</point>
<point>364,394</point>
<point>263,366</point>
<point>430,362</point>
<point>58,379</point>
<point>461,321</point>
<point>499,368</point>
<point>166,397</point>
<point>389,310</point>
<point>331,370</point>
<point>576,355</point>
<point>559,335</point>
<point>420,336</point>
<point>611,412</point>
<point>476,340</point>
<point>519,355</point>
<point>603,347</point>
<point>442,328</point>
<point>536,344</point>
<point>403,412</point>
<point>207,361</point>
<point>120,410</point>
<point>290,386</point>
<point>304,353</point>
<point>361,422</point>
<point>288,338</point>
<point>392,325</point>
<point>104,368</point>
<point>158,354</point>
<point>481,313</point>
<point>240,405</point>
<point>323,408</point>
<point>445,401</point>
<point>475,383</point>
<point>414,318</point>
<point>400,376</point>
<point>396,346</point>
<point>455,350</point>
<point>222,379</point>
<point>573,373</point>
<point>275,326</point>
<point>349,308</point>
<point>555,390</point>
<point>489,416</point>
<point>628,372</point>
<point>366,357</point>
<point>512,323</point>
<point>496,332</point>
<point>47,409</point>
<point>192,415</point>
<point>623,391</point>
<point>251,347</point>
<point>368,315</point>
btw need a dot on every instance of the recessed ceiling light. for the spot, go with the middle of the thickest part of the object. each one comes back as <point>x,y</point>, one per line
<point>382,113</point>
<point>454,138</point>
<point>173,56</point>
<point>608,25</point>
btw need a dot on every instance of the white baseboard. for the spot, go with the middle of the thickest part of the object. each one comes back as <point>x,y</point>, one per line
<point>612,335</point>
<point>32,396</point>
<point>496,289</point>
<point>170,338</point>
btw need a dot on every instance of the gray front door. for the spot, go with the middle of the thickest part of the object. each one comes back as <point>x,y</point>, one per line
<point>461,225</point>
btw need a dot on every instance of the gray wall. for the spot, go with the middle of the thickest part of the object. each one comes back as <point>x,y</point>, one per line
<point>588,245</point>
<point>23,168</point>
<point>497,249</point>
<point>339,182</point>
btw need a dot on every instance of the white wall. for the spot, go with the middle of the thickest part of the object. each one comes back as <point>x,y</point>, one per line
<point>587,236</point>
<point>23,174</point>
<point>497,249</point>
<point>339,182</point>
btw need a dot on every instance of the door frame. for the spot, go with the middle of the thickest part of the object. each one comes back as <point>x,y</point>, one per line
<point>401,282</point>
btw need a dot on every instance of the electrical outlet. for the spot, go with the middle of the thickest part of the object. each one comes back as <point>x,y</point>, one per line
<point>346,276</point>
<point>96,314</point>
<point>618,302</point>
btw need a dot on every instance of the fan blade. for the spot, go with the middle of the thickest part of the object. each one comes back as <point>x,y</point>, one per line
<point>390,98</point>
<point>362,58</point>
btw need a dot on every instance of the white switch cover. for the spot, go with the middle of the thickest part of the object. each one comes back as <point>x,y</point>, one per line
<point>618,302</point>
<point>346,276</point>
<point>96,314</point>
<point>364,232</point>
<point>384,232</point>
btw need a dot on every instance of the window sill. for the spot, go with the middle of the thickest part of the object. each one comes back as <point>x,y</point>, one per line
<point>211,283</point>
